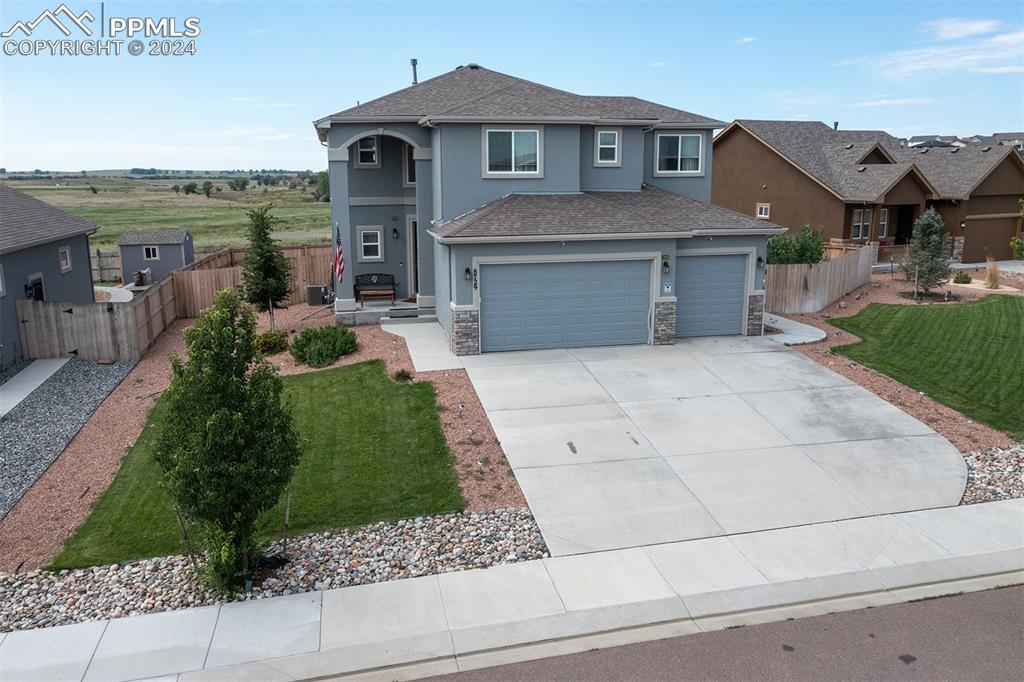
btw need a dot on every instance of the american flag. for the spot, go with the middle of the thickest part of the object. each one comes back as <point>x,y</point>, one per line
<point>339,258</point>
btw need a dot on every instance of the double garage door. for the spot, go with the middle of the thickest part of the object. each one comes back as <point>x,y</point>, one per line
<point>527,306</point>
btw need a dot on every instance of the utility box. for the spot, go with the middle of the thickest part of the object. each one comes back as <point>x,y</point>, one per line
<point>315,294</point>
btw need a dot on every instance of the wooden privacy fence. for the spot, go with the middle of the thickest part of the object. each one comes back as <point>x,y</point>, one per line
<point>106,266</point>
<point>809,288</point>
<point>95,331</point>
<point>196,284</point>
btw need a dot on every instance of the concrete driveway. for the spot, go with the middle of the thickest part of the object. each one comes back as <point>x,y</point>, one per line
<point>639,445</point>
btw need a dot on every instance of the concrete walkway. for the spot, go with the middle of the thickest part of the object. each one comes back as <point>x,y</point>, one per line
<point>427,343</point>
<point>1004,265</point>
<point>483,617</point>
<point>793,333</point>
<point>117,294</point>
<point>18,387</point>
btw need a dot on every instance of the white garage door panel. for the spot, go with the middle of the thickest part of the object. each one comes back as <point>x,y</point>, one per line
<point>557,305</point>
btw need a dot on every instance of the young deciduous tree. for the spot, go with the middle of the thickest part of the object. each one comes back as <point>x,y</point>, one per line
<point>806,247</point>
<point>323,187</point>
<point>227,447</point>
<point>190,188</point>
<point>265,270</point>
<point>928,264</point>
<point>207,188</point>
<point>175,188</point>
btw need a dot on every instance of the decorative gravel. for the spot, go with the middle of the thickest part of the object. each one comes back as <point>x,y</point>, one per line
<point>40,427</point>
<point>8,373</point>
<point>994,474</point>
<point>320,561</point>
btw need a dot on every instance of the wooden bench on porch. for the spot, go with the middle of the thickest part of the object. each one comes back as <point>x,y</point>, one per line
<point>375,285</point>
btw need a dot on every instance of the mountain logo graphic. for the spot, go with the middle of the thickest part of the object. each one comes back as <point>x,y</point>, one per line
<point>77,20</point>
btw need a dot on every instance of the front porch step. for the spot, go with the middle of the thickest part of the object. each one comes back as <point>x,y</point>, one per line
<point>419,319</point>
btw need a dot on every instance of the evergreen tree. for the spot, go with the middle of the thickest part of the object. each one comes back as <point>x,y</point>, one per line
<point>265,270</point>
<point>930,246</point>
<point>227,447</point>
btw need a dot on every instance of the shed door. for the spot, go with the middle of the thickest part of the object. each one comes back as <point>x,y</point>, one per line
<point>525,306</point>
<point>711,294</point>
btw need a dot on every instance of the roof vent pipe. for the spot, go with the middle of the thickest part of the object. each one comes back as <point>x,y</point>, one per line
<point>415,80</point>
<point>835,125</point>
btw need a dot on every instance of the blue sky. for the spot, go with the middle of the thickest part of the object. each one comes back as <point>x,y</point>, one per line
<point>265,70</point>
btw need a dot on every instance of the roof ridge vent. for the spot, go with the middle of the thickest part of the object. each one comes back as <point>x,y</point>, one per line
<point>473,65</point>
<point>861,169</point>
<point>849,146</point>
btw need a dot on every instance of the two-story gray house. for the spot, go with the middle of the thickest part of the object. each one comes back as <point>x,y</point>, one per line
<point>531,217</point>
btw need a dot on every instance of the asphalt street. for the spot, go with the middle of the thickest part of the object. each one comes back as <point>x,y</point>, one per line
<point>977,636</point>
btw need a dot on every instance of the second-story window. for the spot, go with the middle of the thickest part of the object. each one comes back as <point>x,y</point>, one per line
<point>368,153</point>
<point>678,154</point>
<point>512,152</point>
<point>607,148</point>
<point>409,167</point>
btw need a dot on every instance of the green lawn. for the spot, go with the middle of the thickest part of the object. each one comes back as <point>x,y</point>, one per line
<point>374,451</point>
<point>968,356</point>
<point>217,221</point>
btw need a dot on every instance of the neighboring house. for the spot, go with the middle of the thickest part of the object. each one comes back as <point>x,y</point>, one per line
<point>861,185</point>
<point>532,217</point>
<point>44,255</point>
<point>162,251</point>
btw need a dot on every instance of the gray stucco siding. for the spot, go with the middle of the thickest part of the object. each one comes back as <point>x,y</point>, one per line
<point>442,283</point>
<point>395,251</point>
<point>385,181</point>
<point>74,286</point>
<point>628,176</point>
<point>461,168</point>
<point>694,186</point>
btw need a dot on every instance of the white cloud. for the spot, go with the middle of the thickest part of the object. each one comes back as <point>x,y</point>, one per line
<point>893,102</point>
<point>955,28</point>
<point>658,65</point>
<point>1001,53</point>
<point>745,40</point>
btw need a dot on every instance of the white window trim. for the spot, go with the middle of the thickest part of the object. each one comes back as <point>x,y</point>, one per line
<point>3,285</point>
<point>767,211</point>
<point>863,226</point>
<point>379,230</point>
<point>883,222</point>
<point>70,265</point>
<point>155,248</point>
<point>376,152</point>
<point>485,171</point>
<point>617,161</point>
<point>678,174</point>
<point>406,149</point>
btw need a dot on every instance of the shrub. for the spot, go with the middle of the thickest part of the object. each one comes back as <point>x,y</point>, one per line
<point>403,376</point>
<point>962,278</point>
<point>807,247</point>
<point>270,343</point>
<point>991,273</point>
<point>1017,246</point>
<point>228,446</point>
<point>320,346</point>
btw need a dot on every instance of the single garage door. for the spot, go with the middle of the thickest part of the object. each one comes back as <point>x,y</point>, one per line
<point>711,293</point>
<point>988,237</point>
<point>524,306</point>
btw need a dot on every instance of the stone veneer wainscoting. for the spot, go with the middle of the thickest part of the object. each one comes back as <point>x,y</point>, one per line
<point>465,331</point>
<point>755,314</point>
<point>665,321</point>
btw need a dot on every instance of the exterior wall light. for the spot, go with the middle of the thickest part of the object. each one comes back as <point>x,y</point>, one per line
<point>468,274</point>
<point>394,232</point>
<point>760,262</point>
<point>665,269</point>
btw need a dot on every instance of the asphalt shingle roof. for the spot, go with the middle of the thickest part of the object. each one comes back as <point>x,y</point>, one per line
<point>26,221</point>
<point>144,237</point>
<point>652,210</point>
<point>955,171</point>
<point>473,91</point>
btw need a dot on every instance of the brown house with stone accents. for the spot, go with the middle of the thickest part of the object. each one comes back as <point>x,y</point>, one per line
<point>860,185</point>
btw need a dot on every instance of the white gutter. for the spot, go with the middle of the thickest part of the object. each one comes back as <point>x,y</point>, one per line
<point>709,232</point>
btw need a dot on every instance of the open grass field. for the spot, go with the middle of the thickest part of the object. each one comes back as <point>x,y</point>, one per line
<point>968,356</point>
<point>124,204</point>
<point>373,451</point>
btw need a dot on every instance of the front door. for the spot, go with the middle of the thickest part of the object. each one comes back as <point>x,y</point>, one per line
<point>413,258</point>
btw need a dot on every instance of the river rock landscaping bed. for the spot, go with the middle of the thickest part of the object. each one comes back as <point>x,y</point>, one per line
<point>38,429</point>
<point>994,474</point>
<point>319,561</point>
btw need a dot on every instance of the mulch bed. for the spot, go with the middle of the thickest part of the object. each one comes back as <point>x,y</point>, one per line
<point>35,529</point>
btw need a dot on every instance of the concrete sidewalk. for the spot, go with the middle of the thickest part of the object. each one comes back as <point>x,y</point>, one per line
<point>27,380</point>
<point>465,620</point>
<point>793,333</point>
